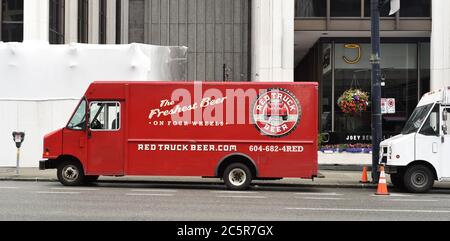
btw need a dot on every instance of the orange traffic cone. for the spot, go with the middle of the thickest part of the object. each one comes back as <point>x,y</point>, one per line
<point>364,178</point>
<point>382,186</point>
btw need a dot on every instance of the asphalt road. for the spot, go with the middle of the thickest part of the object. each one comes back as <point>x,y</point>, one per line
<point>157,201</point>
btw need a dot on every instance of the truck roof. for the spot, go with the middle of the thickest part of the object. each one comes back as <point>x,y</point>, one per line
<point>107,89</point>
<point>440,95</point>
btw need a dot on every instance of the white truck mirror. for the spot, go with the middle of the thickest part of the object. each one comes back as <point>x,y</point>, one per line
<point>444,115</point>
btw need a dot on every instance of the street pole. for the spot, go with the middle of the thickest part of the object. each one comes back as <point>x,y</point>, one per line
<point>17,160</point>
<point>376,88</point>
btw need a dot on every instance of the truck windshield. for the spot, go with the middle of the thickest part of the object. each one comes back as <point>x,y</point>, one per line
<point>78,121</point>
<point>417,118</point>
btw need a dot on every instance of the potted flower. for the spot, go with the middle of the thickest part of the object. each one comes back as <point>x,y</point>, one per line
<point>353,101</point>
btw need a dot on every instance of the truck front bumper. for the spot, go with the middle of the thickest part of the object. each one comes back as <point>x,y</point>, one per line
<point>391,169</point>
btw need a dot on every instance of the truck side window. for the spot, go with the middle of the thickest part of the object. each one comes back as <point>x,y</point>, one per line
<point>448,121</point>
<point>78,121</point>
<point>431,125</point>
<point>104,116</point>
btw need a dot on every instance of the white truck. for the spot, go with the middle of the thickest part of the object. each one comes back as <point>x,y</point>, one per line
<point>421,153</point>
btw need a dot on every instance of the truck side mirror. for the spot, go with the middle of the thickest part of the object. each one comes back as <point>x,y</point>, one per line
<point>445,115</point>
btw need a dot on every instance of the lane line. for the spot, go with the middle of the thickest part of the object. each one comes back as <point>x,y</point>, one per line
<point>321,198</point>
<point>413,200</point>
<point>393,195</point>
<point>150,194</point>
<point>258,197</point>
<point>319,194</point>
<point>235,192</point>
<point>153,190</point>
<point>74,189</point>
<point>400,195</point>
<point>370,210</point>
<point>47,192</point>
<point>9,188</point>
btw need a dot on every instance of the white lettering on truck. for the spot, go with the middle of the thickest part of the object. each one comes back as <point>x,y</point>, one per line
<point>186,147</point>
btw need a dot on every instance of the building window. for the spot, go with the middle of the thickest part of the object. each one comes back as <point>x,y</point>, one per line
<point>310,8</point>
<point>415,8</point>
<point>83,20</point>
<point>102,22</point>
<point>11,23</point>
<point>384,10</point>
<point>399,81</point>
<point>345,8</point>
<point>118,21</point>
<point>56,22</point>
<point>405,76</point>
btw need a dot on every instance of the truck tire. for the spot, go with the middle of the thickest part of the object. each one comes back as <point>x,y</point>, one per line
<point>237,176</point>
<point>397,181</point>
<point>418,179</point>
<point>70,173</point>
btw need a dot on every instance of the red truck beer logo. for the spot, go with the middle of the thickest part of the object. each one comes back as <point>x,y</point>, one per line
<point>276,112</point>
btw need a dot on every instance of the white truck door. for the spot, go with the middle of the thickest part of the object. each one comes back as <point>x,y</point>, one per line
<point>428,140</point>
<point>445,147</point>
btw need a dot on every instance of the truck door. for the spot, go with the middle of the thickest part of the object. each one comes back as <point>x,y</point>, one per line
<point>105,138</point>
<point>428,140</point>
<point>445,158</point>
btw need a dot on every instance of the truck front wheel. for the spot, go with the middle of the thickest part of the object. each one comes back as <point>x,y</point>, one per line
<point>418,178</point>
<point>237,176</point>
<point>70,173</point>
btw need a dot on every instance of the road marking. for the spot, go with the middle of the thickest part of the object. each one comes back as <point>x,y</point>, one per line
<point>260,197</point>
<point>150,194</point>
<point>400,195</point>
<point>319,193</point>
<point>413,200</point>
<point>321,198</point>
<point>46,192</point>
<point>393,195</point>
<point>75,189</point>
<point>152,190</point>
<point>8,187</point>
<point>370,210</point>
<point>235,192</point>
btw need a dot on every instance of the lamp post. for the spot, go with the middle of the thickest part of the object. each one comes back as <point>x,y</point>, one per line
<point>375,59</point>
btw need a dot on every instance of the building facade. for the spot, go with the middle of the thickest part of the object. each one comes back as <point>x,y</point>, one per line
<point>223,44</point>
<point>332,46</point>
<point>266,40</point>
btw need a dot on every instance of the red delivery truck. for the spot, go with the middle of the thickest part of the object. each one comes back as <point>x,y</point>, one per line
<point>238,131</point>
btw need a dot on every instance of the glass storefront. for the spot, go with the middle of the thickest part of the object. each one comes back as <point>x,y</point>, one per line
<point>405,77</point>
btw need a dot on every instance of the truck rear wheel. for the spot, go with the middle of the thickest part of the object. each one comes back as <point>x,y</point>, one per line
<point>70,173</point>
<point>237,176</point>
<point>418,178</point>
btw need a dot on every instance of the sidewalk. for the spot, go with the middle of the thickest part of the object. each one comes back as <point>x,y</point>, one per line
<point>327,178</point>
<point>331,178</point>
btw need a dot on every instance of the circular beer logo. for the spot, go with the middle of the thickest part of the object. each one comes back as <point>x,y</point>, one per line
<point>276,112</point>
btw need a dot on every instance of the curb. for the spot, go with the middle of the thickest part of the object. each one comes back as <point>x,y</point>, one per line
<point>339,167</point>
<point>194,183</point>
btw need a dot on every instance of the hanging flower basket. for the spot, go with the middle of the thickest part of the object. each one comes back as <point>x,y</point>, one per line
<point>353,101</point>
